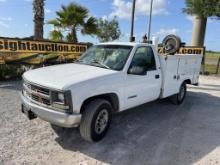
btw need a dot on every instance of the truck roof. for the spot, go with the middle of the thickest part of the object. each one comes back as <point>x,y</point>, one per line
<point>125,43</point>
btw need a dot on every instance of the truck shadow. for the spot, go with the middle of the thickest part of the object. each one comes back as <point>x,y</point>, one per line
<point>155,133</point>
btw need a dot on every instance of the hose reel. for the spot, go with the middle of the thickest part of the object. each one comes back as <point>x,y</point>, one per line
<point>171,43</point>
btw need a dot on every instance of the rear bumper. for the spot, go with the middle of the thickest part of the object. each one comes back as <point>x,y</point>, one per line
<point>52,116</point>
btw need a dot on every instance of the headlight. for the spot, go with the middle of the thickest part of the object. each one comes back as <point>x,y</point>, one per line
<point>58,97</point>
<point>61,98</point>
<point>61,101</point>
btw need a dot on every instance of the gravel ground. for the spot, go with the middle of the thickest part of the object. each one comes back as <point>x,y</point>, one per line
<point>155,133</point>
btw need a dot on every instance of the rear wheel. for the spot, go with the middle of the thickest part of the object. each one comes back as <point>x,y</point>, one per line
<point>96,120</point>
<point>179,97</point>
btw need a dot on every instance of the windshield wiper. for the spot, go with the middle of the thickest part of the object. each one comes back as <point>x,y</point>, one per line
<point>101,64</point>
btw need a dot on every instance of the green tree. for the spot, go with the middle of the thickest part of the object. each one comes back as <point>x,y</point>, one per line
<point>108,30</point>
<point>56,35</point>
<point>38,10</point>
<point>73,18</point>
<point>201,10</point>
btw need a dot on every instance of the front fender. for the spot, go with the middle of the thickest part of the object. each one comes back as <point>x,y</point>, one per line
<point>84,90</point>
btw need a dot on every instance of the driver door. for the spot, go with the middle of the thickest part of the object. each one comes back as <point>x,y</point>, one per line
<point>143,81</point>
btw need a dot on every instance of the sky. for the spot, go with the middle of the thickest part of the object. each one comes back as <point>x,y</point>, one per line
<point>16,19</point>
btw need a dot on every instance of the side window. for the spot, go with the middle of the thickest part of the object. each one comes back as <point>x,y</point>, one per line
<point>144,58</point>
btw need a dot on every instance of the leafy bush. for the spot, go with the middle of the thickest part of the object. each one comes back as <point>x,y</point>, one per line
<point>10,71</point>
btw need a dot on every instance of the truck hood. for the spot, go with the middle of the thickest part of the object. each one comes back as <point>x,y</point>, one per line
<point>65,75</point>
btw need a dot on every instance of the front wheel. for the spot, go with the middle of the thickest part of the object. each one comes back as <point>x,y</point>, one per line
<point>179,97</point>
<point>96,119</point>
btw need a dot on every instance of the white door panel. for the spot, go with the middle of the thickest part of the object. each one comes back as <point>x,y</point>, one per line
<point>140,89</point>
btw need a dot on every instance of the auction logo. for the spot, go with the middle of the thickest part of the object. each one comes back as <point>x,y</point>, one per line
<point>26,46</point>
<point>185,50</point>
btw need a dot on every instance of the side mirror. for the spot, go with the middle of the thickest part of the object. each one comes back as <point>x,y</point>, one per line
<point>137,70</point>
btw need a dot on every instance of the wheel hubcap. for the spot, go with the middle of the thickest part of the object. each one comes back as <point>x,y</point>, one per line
<point>101,121</point>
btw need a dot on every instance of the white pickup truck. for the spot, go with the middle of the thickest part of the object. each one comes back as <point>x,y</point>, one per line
<point>107,78</point>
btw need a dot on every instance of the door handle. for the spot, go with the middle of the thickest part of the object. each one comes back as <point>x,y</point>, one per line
<point>157,76</point>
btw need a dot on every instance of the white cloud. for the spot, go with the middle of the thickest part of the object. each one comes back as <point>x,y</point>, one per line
<point>122,8</point>
<point>6,18</point>
<point>164,31</point>
<point>4,21</point>
<point>48,11</point>
<point>3,24</point>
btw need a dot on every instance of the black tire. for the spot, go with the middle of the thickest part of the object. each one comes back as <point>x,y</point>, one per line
<point>180,96</point>
<point>91,119</point>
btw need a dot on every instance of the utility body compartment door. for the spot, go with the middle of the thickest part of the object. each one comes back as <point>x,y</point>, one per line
<point>171,82</point>
<point>142,88</point>
<point>176,69</point>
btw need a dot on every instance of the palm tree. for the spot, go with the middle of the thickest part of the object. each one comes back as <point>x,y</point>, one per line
<point>56,35</point>
<point>73,18</point>
<point>201,10</point>
<point>38,10</point>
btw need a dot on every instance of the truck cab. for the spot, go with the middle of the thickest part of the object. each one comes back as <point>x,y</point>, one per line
<point>107,78</point>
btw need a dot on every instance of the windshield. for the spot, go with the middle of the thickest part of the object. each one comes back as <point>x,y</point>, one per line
<point>106,56</point>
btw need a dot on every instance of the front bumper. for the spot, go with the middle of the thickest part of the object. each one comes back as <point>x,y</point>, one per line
<point>58,118</point>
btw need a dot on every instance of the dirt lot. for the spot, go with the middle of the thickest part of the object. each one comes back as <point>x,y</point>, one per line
<point>155,133</point>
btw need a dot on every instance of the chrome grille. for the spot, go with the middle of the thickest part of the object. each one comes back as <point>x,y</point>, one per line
<point>36,93</point>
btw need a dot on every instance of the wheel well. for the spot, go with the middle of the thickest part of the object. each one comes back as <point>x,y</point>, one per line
<point>188,81</point>
<point>111,97</point>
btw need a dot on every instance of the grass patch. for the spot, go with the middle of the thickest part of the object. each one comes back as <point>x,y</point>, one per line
<point>212,54</point>
<point>211,61</point>
<point>211,69</point>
